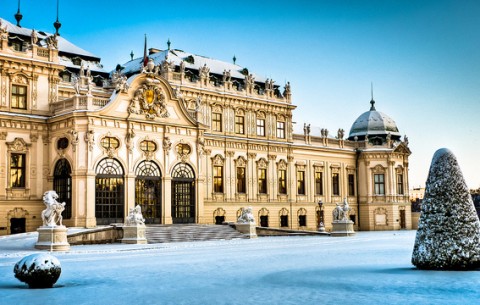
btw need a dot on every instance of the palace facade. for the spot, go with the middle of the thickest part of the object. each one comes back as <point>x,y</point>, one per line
<point>189,138</point>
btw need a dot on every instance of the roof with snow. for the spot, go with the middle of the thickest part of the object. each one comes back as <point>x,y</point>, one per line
<point>373,123</point>
<point>67,50</point>
<point>193,62</point>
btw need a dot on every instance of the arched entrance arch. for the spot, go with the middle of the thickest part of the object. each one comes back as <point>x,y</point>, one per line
<point>148,191</point>
<point>62,184</point>
<point>183,194</point>
<point>109,192</point>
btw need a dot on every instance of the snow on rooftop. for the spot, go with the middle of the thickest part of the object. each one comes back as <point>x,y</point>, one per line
<point>177,56</point>
<point>63,44</point>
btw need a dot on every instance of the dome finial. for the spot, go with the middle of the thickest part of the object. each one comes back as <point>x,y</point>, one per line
<point>18,15</point>
<point>57,23</point>
<point>372,101</point>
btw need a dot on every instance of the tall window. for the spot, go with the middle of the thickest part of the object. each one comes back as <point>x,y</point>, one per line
<point>399,184</point>
<point>335,184</point>
<point>282,181</point>
<point>379,181</point>
<point>19,97</point>
<point>318,183</point>
<point>301,182</point>
<point>239,124</point>
<point>351,185</point>
<point>281,130</point>
<point>218,179</point>
<point>241,180</point>
<point>261,127</point>
<point>262,180</point>
<point>17,170</point>
<point>217,121</point>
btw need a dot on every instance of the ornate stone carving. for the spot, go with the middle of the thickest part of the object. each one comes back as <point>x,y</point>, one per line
<point>246,216</point>
<point>74,137</point>
<point>90,139</point>
<point>183,151</point>
<point>120,82</point>
<point>135,217</point>
<point>341,212</point>
<point>150,100</point>
<point>217,160</point>
<point>3,135</point>
<point>129,138</point>
<point>18,144</point>
<point>167,144</point>
<point>52,215</point>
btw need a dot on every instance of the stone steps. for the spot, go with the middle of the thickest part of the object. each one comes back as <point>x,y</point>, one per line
<point>190,232</point>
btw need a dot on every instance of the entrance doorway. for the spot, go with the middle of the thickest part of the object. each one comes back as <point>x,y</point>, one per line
<point>148,191</point>
<point>109,192</point>
<point>62,184</point>
<point>183,194</point>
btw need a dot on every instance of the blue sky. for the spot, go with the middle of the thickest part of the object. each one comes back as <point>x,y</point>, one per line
<point>423,57</point>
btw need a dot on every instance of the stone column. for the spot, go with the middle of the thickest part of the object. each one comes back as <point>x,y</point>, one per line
<point>167,200</point>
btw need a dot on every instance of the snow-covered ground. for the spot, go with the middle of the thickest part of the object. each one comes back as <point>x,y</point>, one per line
<point>369,268</point>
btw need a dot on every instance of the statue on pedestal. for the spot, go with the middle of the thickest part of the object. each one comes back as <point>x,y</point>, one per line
<point>52,215</point>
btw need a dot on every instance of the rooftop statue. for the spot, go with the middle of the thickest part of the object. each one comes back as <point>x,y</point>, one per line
<point>52,215</point>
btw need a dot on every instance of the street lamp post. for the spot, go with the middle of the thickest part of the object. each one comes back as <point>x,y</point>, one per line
<point>321,226</point>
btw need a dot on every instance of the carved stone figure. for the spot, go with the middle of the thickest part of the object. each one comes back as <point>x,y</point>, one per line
<point>341,134</point>
<point>204,71</point>
<point>3,31</point>
<point>182,67</point>
<point>341,213</point>
<point>120,82</point>
<point>34,37</point>
<point>167,144</point>
<point>246,216</point>
<point>90,139</point>
<point>76,84</point>
<point>135,217</point>
<point>52,41</point>
<point>52,215</point>
<point>287,89</point>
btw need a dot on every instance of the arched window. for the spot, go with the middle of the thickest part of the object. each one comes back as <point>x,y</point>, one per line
<point>62,184</point>
<point>109,192</point>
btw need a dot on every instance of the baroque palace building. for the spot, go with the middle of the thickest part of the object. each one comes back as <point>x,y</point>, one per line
<point>189,138</point>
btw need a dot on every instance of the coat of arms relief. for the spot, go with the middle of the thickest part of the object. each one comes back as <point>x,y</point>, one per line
<point>150,100</point>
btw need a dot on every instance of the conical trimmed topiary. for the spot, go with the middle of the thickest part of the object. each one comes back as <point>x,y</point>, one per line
<point>448,236</point>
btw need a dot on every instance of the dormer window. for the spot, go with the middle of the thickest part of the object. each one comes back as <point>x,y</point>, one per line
<point>77,61</point>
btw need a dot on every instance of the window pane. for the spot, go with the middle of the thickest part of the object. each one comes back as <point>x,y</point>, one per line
<point>218,179</point>
<point>282,181</point>
<point>301,182</point>
<point>281,130</point>
<point>261,127</point>
<point>262,181</point>
<point>240,179</point>
<point>17,170</point>
<point>239,124</point>
<point>319,183</point>
<point>335,185</point>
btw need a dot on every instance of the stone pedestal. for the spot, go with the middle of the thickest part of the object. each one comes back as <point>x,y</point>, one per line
<point>342,228</point>
<point>248,229</point>
<point>52,238</point>
<point>134,234</point>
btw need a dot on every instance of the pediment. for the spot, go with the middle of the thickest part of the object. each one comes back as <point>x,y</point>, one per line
<point>149,98</point>
<point>403,149</point>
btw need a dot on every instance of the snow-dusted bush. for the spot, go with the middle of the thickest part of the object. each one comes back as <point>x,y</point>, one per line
<point>40,270</point>
<point>448,235</point>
